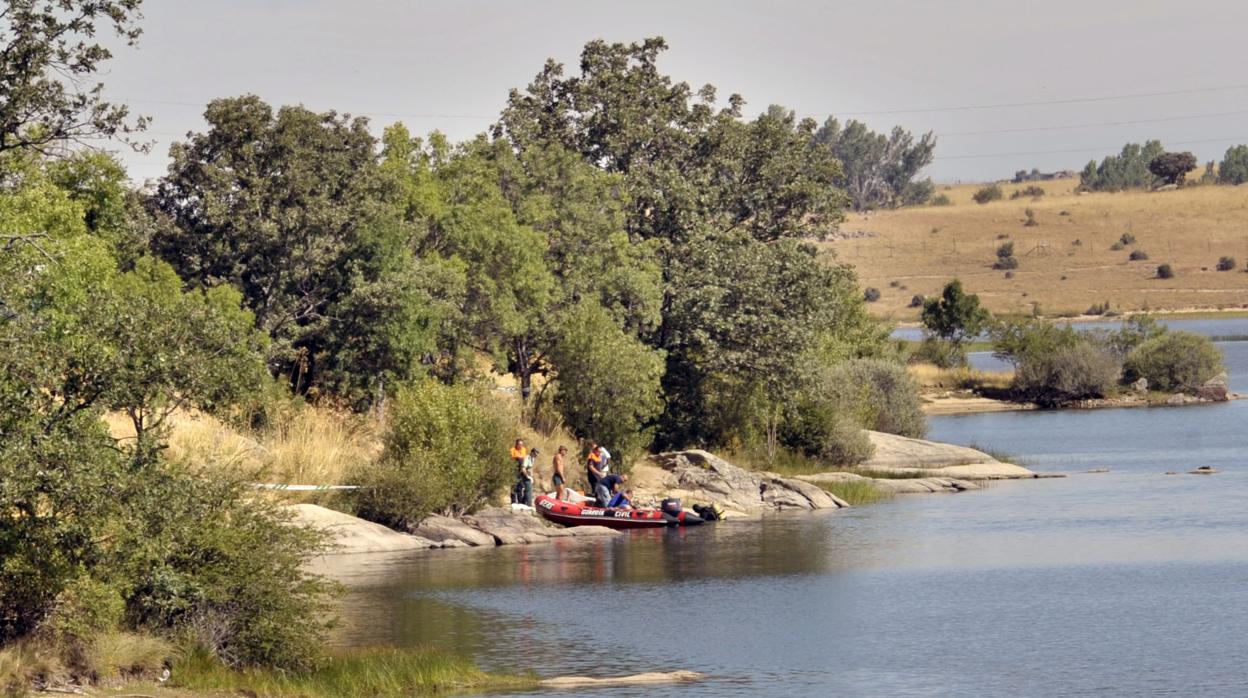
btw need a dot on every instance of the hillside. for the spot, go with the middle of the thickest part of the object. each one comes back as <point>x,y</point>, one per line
<point>1066,263</point>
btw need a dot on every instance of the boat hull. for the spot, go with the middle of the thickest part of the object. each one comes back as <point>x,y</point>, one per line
<point>572,514</point>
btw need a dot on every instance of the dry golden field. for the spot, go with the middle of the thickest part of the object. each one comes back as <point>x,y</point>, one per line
<point>1065,262</point>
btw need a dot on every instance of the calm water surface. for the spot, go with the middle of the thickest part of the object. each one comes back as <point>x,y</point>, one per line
<point>1126,583</point>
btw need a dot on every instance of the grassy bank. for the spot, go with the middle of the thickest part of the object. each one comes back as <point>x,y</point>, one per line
<point>1066,260</point>
<point>855,492</point>
<point>124,663</point>
<point>355,674</point>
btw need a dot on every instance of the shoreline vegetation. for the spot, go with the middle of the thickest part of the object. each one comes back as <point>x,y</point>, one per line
<point>296,299</point>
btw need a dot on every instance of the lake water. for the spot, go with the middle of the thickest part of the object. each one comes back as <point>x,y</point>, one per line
<point>1126,583</point>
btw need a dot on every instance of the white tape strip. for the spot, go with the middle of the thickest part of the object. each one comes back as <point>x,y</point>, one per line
<point>305,488</point>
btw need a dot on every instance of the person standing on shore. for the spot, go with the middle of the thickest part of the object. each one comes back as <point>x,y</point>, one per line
<point>606,460</point>
<point>525,484</point>
<point>593,467</point>
<point>557,465</point>
<point>518,453</point>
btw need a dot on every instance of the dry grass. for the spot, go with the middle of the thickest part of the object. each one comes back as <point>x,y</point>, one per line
<point>319,445</point>
<point>934,377</point>
<point>310,445</point>
<point>923,247</point>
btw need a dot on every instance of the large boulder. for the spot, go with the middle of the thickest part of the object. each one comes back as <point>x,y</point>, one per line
<point>700,477</point>
<point>511,527</point>
<point>1215,389</point>
<point>893,451</point>
<point>445,529</point>
<point>351,534</point>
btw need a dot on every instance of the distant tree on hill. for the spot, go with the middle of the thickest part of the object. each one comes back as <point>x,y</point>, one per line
<point>1127,170</point>
<point>1234,166</point>
<point>1172,168</point>
<point>879,170</point>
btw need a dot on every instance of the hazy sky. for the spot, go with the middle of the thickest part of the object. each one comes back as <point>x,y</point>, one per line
<point>448,65</point>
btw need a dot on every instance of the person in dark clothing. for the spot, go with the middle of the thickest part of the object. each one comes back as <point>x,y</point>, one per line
<point>593,467</point>
<point>607,487</point>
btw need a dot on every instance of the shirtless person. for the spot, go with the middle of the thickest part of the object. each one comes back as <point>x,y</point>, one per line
<point>557,465</point>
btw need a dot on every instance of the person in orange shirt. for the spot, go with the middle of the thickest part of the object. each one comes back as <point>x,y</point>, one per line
<point>519,453</point>
<point>593,466</point>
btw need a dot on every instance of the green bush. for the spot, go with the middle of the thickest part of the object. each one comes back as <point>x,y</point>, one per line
<point>445,451</point>
<point>1005,256</point>
<point>1174,361</point>
<point>1126,239</point>
<point>871,295</point>
<point>992,192</point>
<point>1165,271</point>
<point>1066,374</point>
<point>1137,255</point>
<point>1031,191</point>
<point>940,200</point>
<point>1226,264</point>
<point>880,395</point>
<point>916,301</point>
<point>86,607</point>
<point>940,353</point>
<point>1234,166</point>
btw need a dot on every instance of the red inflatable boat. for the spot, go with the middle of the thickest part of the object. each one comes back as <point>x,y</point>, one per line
<point>571,514</point>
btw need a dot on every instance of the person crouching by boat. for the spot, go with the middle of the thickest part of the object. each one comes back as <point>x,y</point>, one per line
<point>621,500</point>
<point>524,483</point>
<point>593,467</point>
<point>556,465</point>
<point>608,487</point>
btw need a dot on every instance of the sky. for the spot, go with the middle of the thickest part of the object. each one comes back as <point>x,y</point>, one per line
<point>1082,78</point>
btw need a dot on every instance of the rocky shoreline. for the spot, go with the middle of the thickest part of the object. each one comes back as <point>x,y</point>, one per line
<point>910,466</point>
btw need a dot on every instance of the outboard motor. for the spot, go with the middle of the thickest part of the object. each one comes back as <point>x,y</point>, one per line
<point>670,506</point>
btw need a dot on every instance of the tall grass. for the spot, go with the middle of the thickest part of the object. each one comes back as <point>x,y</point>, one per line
<point>108,659</point>
<point>930,376</point>
<point>361,673</point>
<point>855,492</point>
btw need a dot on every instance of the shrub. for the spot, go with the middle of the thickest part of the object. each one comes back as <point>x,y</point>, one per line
<point>1097,309</point>
<point>1226,264</point>
<point>992,192</point>
<point>940,200</point>
<point>916,301</point>
<point>1127,239</point>
<point>880,395</point>
<point>828,418</point>
<point>871,295</point>
<point>1165,271</point>
<point>1032,191</point>
<point>1005,256</point>
<point>894,284</point>
<point>1116,247</point>
<point>1174,361</point>
<point>1137,255</point>
<point>1031,221</point>
<point>1068,373</point>
<point>444,451</point>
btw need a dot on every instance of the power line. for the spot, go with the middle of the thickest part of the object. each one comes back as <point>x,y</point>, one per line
<point>911,110</point>
<point>1093,125</point>
<point>1049,102</point>
<point>376,113</point>
<point>1083,150</point>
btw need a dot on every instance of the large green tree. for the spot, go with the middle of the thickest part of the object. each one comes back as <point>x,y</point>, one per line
<point>879,170</point>
<point>722,198</point>
<point>291,208</point>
